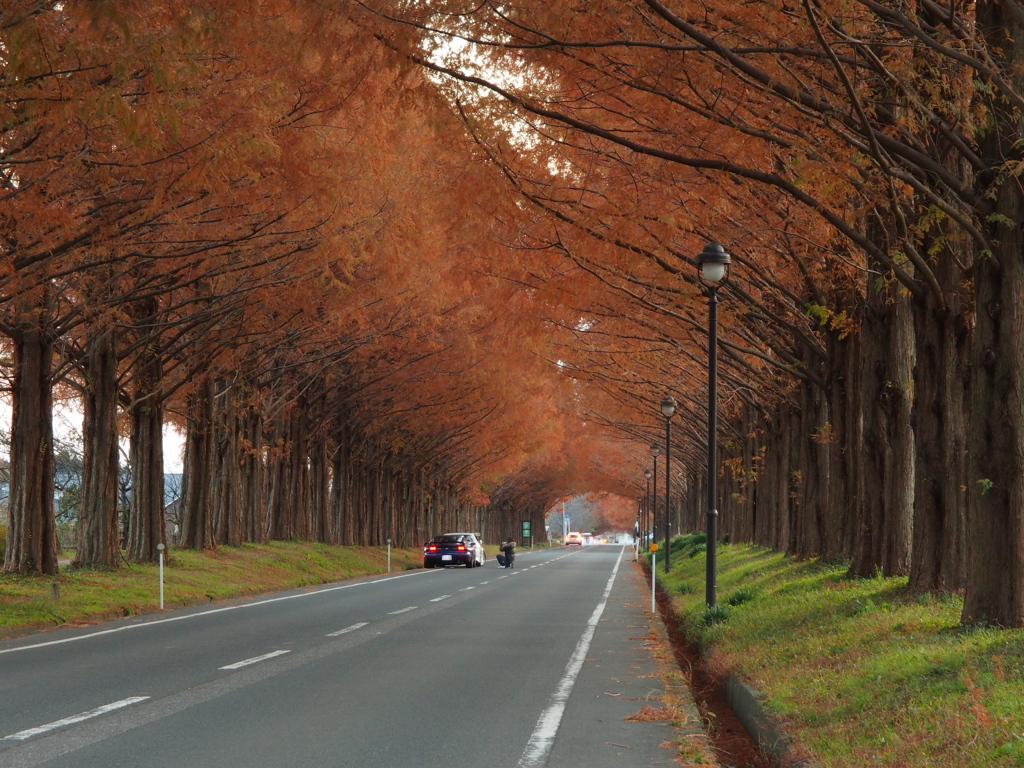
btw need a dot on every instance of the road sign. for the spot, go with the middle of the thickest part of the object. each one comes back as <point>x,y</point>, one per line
<point>526,529</point>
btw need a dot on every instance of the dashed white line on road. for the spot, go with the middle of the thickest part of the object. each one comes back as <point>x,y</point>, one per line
<point>539,746</point>
<point>503,577</point>
<point>484,582</point>
<point>466,589</point>
<point>403,610</point>
<point>439,599</point>
<point>254,660</point>
<point>347,629</point>
<point>22,735</point>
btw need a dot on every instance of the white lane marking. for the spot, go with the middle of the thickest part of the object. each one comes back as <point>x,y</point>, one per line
<point>466,589</point>
<point>538,748</point>
<point>353,628</point>
<point>210,612</point>
<point>503,577</point>
<point>439,599</point>
<point>403,610</point>
<point>22,735</point>
<point>514,573</point>
<point>254,660</point>
<point>484,582</point>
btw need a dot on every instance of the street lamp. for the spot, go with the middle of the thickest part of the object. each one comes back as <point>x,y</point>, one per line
<point>655,450</point>
<point>647,497</point>
<point>712,271</point>
<point>668,407</point>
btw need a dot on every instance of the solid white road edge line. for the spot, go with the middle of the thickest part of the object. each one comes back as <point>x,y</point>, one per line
<point>210,612</point>
<point>22,735</point>
<point>353,628</point>
<point>539,746</point>
<point>247,662</point>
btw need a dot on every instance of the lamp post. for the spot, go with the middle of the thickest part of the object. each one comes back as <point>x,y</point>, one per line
<point>712,270</point>
<point>647,496</point>
<point>668,407</point>
<point>655,450</point>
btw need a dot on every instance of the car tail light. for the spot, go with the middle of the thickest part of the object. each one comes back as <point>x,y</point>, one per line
<point>461,547</point>
<point>432,548</point>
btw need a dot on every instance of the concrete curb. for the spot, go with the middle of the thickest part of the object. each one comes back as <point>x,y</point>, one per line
<point>773,741</point>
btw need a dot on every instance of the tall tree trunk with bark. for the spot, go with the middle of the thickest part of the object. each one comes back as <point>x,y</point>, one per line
<point>298,472</point>
<point>251,499</point>
<point>814,472</point>
<point>319,486</point>
<point>226,478</point>
<point>337,506</point>
<point>146,457</point>
<point>98,535</point>
<point>941,408</point>
<point>196,521</point>
<point>887,464</point>
<point>995,487</point>
<point>31,528</point>
<point>278,497</point>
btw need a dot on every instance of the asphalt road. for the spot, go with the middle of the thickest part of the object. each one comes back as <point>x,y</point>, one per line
<point>534,666</point>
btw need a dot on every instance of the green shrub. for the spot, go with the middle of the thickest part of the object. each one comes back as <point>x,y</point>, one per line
<point>686,588</point>
<point>741,596</point>
<point>714,615</point>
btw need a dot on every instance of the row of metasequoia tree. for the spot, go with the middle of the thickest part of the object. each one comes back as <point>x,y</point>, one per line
<point>861,160</point>
<point>250,220</point>
<point>389,284</point>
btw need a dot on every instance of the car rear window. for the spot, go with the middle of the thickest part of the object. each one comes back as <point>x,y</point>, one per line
<point>447,540</point>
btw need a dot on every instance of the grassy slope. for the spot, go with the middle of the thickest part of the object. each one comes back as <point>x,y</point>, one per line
<point>859,671</point>
<point>188,577</point>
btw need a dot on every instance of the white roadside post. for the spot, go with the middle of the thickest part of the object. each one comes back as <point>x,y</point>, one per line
<point>389,555</point>
<point>654,571</point>
<point>160,550</point>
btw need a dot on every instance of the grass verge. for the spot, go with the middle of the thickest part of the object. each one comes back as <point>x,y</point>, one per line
<point>859,671</point>
<point>189,577</point>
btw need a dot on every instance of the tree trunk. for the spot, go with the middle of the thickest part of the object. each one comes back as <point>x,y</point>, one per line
<point>251,498</point>
<point>887,465</point>
<point>320,529</point>
<point>31,528</point>
<point>196,493</point>
<point>278,497</point>
<point>146,456</point>
<point>338,508</point>
<point>941,407</point>
<point>98,536</point>
<point>995,495</point>
<point>225,476</point>
<point>814,472</point>
<point>298,473</point>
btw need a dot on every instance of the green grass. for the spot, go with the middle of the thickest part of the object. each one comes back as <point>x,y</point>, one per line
<point>189,577</point>
<point>859,671</point>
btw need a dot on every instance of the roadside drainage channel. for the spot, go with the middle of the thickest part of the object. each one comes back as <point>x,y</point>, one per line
<point>723,699</point>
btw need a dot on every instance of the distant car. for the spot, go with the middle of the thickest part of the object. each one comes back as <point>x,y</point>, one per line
<point>574,537</point>
<point>454,549</point>
<point>587,540</point>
